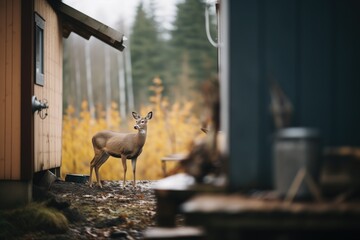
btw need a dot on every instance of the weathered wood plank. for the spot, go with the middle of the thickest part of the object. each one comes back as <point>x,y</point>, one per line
<point>27,89</point>
<point>2,86</point>
<point>8,88</point>
<point>242,212</point>
<point>174,233</point>
<point>16,91</point>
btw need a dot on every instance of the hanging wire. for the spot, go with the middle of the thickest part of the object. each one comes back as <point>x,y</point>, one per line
<point>207,26</point>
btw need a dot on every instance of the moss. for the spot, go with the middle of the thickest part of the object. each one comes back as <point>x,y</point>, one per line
<point>33,217</point>
<point>7,230</point>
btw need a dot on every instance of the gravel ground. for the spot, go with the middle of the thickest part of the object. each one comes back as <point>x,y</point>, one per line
<point>93,213</point>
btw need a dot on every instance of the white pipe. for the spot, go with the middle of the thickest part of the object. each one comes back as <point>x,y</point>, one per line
<point>207,27</point>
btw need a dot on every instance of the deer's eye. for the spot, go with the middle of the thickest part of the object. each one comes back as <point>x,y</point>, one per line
<point>142,121</point>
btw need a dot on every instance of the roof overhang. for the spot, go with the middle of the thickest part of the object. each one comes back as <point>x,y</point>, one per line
<point>85,26</point>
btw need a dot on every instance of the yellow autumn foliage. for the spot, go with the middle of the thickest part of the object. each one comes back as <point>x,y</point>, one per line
<point>171,130</point>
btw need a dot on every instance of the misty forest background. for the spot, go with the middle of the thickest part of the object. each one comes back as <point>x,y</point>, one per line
<point>160,70</point>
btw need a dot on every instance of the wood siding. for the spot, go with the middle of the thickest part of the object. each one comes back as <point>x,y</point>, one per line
<point>10,97</point>
<point>48,131</point>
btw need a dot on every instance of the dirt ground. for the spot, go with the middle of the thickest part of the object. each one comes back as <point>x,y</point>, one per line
<point>111,212</point>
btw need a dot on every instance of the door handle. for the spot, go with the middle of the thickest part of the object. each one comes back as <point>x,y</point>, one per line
<point>38,106</point>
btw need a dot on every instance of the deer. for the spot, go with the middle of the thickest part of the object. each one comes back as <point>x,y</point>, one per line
<point>108,143</point>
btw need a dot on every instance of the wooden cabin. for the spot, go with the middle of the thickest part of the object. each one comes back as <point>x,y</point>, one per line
<point>31,61</point>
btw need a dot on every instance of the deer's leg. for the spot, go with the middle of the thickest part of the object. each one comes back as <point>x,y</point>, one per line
<point>133,163</point>
<point>92,164</point>
<point>90,178</point>
<point>101,160</point>
<point>123,159</point>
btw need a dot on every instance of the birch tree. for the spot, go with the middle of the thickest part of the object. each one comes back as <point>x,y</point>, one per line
<point>129,80</point>
<point>107,85</point>
<point>89,86</point>
<point>121,79</point>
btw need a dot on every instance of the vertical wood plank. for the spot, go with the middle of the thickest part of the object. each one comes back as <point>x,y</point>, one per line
<point>49,36</point>
<point>2,86</point>
<point>59,93</point>
<point>244,93</point>
<point>44,128</point>
<point>38,91</point>
<point>37,131</point>
<point>317,54</point>
<point>278,62</point>
<point>27,89</point>
<point>8,78</point>
<point>347,81</point>
<point>16,89</point>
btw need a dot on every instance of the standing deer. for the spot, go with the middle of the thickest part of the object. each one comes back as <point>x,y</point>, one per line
<point>120,145</point>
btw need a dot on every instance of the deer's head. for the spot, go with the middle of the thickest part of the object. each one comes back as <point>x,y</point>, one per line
<point>141,122</point>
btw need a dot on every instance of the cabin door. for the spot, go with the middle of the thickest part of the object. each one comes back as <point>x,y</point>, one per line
<point>47,88</point>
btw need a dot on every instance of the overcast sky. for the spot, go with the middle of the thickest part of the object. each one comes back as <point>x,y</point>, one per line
<point>110,12</point>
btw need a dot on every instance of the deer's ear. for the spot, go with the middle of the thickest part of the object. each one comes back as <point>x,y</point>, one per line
<point>149,115</point>
<point>136,115</point>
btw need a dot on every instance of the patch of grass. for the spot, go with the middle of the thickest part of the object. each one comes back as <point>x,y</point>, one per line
<point>31,218</point>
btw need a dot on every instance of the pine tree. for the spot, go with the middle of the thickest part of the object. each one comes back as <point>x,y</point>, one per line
<point>189,43</point>
<point>146,54</point>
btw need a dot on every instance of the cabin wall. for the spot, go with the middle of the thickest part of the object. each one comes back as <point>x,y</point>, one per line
<point>311,48</point>
<point>48,131</point>
<point>10,97</point>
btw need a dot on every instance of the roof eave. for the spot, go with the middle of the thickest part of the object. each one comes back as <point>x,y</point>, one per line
<point>86,26</point>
